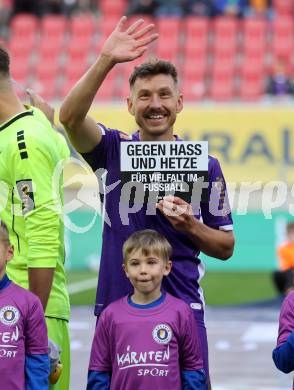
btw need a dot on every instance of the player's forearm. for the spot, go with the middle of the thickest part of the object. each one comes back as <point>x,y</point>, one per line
<point>40,283</point>
<point>77,103</point>
<point>212,242</point>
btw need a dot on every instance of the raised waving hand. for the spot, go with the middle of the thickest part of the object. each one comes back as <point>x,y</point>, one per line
<point>128,44</point>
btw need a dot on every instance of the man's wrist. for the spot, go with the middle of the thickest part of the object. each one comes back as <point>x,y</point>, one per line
<point>105,62</point>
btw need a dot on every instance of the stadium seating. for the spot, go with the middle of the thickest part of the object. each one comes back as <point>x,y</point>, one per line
<point>83,26</point>
<point>53,27</point>
<point>217,58</point>
<point>252,86</point>
<point>24,26</point>
<point>112,8</point>
<point>282,39</point>
<point>254,36</point>
<point>222,86</point>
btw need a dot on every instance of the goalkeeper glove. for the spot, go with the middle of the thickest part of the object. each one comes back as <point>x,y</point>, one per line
<point>54,352</point>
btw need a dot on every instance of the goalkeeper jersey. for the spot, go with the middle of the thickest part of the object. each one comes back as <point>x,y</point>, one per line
<point>31,200</point>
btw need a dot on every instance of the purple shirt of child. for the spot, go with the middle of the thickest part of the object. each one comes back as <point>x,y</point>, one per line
<point>146,348</point>
<point>22,332</point>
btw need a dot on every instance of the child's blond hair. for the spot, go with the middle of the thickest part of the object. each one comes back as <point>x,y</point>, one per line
<point>148,242</point>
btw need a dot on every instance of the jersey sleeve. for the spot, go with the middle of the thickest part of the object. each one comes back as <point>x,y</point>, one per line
<point>36,372</point>
<point>216,212</point>
<point>34,182</point>
<point>189,346</point>
<point>36,339</point>
<point>98,380</point>
<point>106,151</point>
<point>286,321</point>
<point>100,359</point>
<point>283,355</point>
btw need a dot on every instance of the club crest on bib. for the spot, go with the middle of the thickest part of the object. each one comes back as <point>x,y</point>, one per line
<point>162,334</point>
<point>9,315</point>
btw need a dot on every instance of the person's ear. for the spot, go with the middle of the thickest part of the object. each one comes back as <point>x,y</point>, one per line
<point>130,106</point>
<point>10,252</point>
<point>167,268</point>
<point>125,268</point>
<point>180,103</point>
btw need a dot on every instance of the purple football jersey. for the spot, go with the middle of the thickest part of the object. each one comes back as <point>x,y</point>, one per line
<point>146,348</point>
<point>22,331</point>
<point>187,270</point>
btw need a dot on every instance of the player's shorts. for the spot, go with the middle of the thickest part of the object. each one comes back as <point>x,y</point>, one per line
<point>58,332</point>
<point>199,316</point>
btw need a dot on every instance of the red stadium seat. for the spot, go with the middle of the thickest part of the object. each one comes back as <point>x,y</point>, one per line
<point>83,26</point>
<point>74,71</point>
<point>223,60</point>
<point>53,27</point>
<point>20,48</point>
<point>196,28</point>
<point>168,50</point>
<point>112,8</point>
<point>222,85</point>
<point>254,35</point>
<point>225,31</point>
<point>194,69</point>
<point>20,71</point>
<point>194,52</point>
<point>106,91</point>
<point>78,50</point>
<point>46,72</point>
<point>169,28</point>
<point>282,39</point>
<point>194,90</point>
<point>283,7</point>
<point>251,87</point>
<point>24,26</point>
<point>50,49</point>
<point>253,62</point>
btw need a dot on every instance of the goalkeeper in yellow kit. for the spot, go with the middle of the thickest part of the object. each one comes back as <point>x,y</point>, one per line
<point>30,149</point>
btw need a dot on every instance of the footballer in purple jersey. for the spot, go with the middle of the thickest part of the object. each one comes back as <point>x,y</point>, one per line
<point>154,101</point>
<point>283,354</point>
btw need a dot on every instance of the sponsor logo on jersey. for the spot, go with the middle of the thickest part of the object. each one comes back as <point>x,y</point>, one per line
<point>162,334</point>
<point>26,194</point>
<point>9,315</point>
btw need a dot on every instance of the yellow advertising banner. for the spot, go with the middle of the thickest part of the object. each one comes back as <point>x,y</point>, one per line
<point>252,144</point>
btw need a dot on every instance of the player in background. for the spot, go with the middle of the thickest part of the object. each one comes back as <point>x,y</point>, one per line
<point>284,278</point>
<point>283,354</point>
<point>29,151</point>
<point>148,339</point>
<point>154,101</point>
<point>24,363</point>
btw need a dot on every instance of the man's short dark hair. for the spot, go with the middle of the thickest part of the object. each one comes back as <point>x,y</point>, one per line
<point>4,62</point>
<point>153,68</point>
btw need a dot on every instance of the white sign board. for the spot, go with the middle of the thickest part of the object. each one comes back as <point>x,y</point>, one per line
<point>165,167</point>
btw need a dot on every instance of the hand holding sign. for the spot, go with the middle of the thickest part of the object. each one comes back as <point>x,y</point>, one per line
<point>178,212</point>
